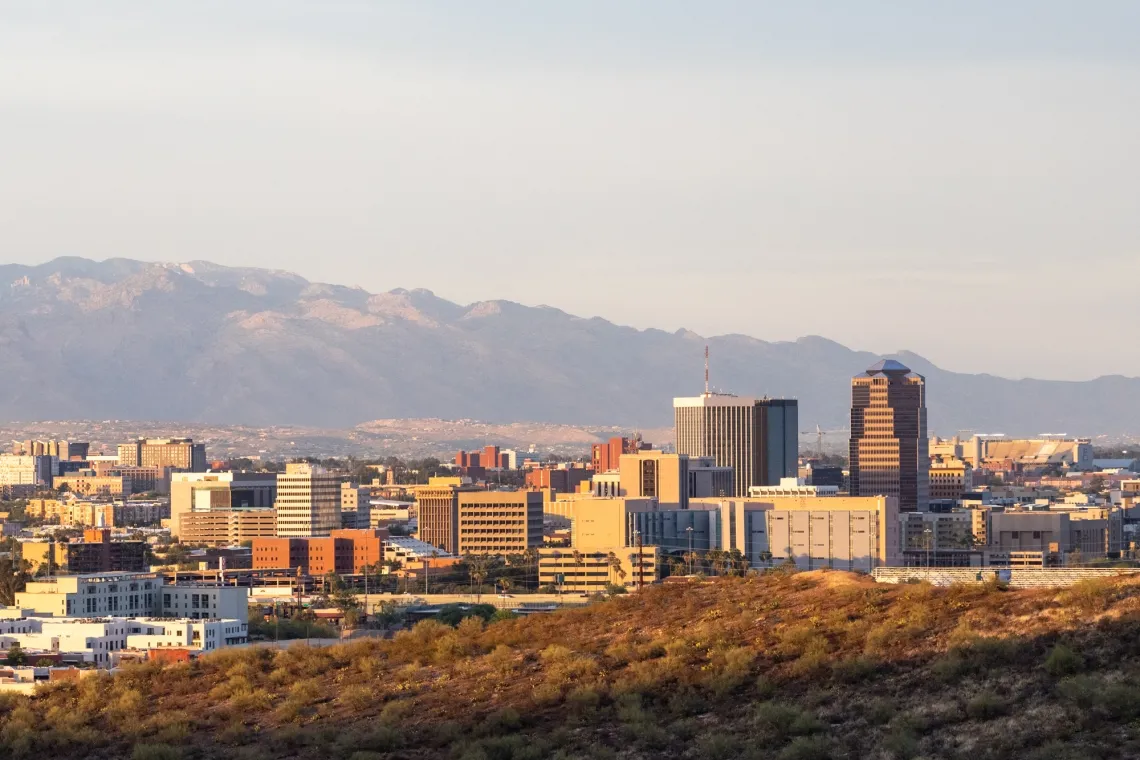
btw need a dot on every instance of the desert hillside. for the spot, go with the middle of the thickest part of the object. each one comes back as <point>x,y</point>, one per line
<point>789,666</point>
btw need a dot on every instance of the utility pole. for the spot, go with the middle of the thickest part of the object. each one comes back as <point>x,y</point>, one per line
<point>640,563</point>
<point>689,530</point>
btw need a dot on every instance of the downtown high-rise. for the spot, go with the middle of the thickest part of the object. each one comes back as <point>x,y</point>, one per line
<point>888,451</point>
<point>757,438</point>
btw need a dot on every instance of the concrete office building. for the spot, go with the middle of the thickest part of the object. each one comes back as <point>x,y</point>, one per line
<point>1052,536</point>
<point>888,449</point>
<point>308,501</point>
<point>437,516</point>
<point>672,479</point>
<point>227,527</point>
<point>179,453</point>
<point>499,522</point>
<point>757,438</point>
<point>841,532</point>
<point>219,491</point>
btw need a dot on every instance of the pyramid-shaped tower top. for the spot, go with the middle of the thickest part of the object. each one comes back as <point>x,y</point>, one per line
<point>888,366</point>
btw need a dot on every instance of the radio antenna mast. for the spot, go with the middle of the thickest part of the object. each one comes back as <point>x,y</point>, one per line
<point>706,370</point>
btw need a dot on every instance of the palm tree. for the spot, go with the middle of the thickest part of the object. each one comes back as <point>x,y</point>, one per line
<point>479,567</point>
<point>531,558</point>
<point>616,567</point>
<point>578,562</point>
<point>691,558</point>
<point>737,562</point>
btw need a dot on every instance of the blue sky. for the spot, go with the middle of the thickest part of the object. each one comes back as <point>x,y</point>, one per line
<point>955,178</point>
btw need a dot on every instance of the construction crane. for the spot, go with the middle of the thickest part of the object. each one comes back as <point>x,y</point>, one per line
<point>819,433</point>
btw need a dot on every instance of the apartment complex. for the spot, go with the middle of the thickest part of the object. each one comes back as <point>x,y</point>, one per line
<point>178,453</point>
<point>308,501</point>
<point>889,447</point>
<point>757,438</point>
<point>131,595</point>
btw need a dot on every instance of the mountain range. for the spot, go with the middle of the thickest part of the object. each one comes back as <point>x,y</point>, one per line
<point>200,342</point>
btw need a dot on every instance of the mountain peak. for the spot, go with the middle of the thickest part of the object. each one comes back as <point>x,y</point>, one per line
<point>197,341</point>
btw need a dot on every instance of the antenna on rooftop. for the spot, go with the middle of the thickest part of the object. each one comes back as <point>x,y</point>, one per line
<point>706,369</point>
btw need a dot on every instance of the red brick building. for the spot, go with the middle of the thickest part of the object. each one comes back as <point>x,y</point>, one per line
<point>343,552</point>
<point>606,456</point>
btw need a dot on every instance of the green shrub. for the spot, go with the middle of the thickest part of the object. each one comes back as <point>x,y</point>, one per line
<point>879,711</point>
<point>778,721</point>
<point>901,741</point>
<point>986,706</point>
<point>855,669</point>
<point>358,697</point>
<point>501,722</point>
<point>719,746</point>
<point>1063,661</point>
<point>1080,690</point>
<point>1121,701</point>
<point>156,752</point>
<point>806,748</point>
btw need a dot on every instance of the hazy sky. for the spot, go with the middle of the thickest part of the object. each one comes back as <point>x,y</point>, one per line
<point>957,178</point>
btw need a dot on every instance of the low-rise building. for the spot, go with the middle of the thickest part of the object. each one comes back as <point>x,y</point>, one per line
<point>227,527</point>
<point>593,570</point>
<point>132,595</point>
<point>792,487</point>
<point>96,553</point>
<point>103,639</point>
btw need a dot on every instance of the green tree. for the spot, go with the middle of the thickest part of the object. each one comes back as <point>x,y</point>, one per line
<point>14,577</point>
<point>16,655</point>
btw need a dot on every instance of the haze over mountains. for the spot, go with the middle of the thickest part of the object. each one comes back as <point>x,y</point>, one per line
<point>200,342</point>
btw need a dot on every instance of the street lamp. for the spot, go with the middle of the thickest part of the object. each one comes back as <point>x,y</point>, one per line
<point>929,534</point>
<point>689,530</point>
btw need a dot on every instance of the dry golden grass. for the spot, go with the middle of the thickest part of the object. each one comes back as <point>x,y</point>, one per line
<point>794,666</point>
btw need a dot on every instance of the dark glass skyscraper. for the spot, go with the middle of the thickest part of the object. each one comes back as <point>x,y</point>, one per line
<point>889,449</point>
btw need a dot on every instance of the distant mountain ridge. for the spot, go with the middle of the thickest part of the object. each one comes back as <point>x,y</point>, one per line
<point>208,343</point>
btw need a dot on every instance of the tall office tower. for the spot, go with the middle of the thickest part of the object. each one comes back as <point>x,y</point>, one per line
<point>437,515</point>
<point>180,453</point>
<point>757,438</point>
<point>308,501</point>
<point>889,447</point>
